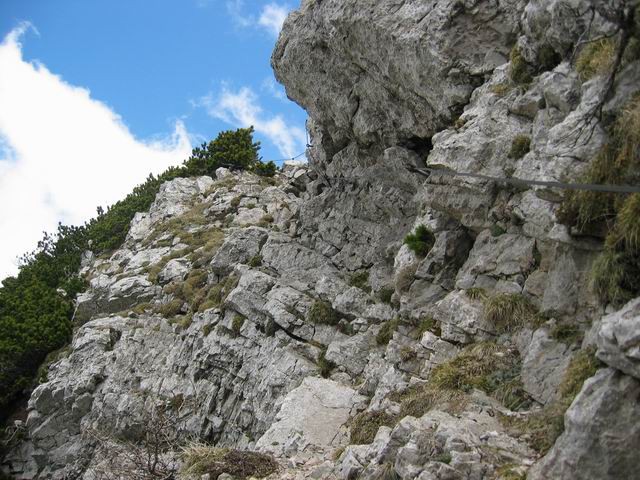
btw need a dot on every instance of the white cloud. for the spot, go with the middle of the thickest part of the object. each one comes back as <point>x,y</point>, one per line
<point>242,109</point>
<point>275,89</point>
<point>62,153</point>
<point>272,17</point>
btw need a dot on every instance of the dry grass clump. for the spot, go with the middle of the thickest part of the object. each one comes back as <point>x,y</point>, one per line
<point>365,425</point>
<point>419,400</point>
<point>170,309</point>
<point>509,311</point>
<point>200,459</point>
<point>519,70</point>
<point>596,58</point>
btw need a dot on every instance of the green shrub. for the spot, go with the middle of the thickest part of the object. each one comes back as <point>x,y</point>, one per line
<point>322,313</point>
<point>365,425</point>
<point>265,169</point>
<point>519,70</point>
<point>199,459</point>
<point>520,146</point>
<point>385,334</point>
<point>421,241</point>
<point>234,148</point>
<point>509,311</point>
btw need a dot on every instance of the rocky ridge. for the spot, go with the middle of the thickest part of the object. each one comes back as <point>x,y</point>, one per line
<point>282,316</point>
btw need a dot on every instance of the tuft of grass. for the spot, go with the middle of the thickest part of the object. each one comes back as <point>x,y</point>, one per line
<point>421,241</point>
<point>255,261</point>
<point>266,220</point>
<point>519,70</point>
<point>545,426</point>
<point>237,323</point>
<point>596,58</point>
<point>387,472</point>
<point>427,324</point>
<point>322,313</point>
<point>170,309</point>
<point>325,366</point>
<point>475,293</point>
<point>509,311</point>
<point>616,276</point>
<point>583,365</point>
<point>385,294</point>
<point>419,400</point>
<point>405,277</point>
<point>385,334</point>
<point>407,353</point>
<point>200,459</point>
<point>365,425</point>
<point>520,146</point>
<point>360,280</point>
<point>566,333</point>
<point>219,292</point>
<point>500,89</point>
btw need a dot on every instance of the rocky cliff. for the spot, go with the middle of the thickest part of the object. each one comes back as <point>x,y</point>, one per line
<point>287,317</point>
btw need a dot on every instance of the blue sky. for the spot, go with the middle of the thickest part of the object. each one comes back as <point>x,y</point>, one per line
<point>96,94</point>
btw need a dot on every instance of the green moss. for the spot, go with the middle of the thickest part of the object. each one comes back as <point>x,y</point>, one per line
<point>519,70</point>
<point>420,241</point>
<point>596,58</point>
<point>509,311</point>
<point>497,230</point>
<point>520,146</point>
<point>365,425</point>
<point>322,313</point>
<point>385,334</point>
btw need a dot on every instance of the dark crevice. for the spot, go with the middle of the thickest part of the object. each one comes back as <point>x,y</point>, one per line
<point>422,146</point>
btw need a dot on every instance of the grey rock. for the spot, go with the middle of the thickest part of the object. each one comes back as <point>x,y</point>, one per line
<point>619,339</point>
<point>600,426</point>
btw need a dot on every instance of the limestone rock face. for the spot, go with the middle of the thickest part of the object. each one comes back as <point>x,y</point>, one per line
<point>287,315</point>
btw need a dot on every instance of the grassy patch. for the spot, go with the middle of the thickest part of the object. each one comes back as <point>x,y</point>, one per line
<point>476,293</point>
<point>596,58</point>
<point>419,400</point>
<point>170,309</point>
<point>385,334</point>
<point>509,311</point>
<point>519,70</point>
<point>420,241</point>
<point>325,366</point>
<point>322,313</point>
<point>360,280</point>
<point>385,294</point>
<point>520,146</point>
<point>237,323</point>
<point>500,89</point>
<point>255,261</point>
<point>204,459</point>
<point>427,324</point>
<point>545,426</point>
<point>566,333</point>
<point>365,425</point>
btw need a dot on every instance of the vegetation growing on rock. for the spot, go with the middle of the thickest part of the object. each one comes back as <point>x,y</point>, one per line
<point>420,241</point>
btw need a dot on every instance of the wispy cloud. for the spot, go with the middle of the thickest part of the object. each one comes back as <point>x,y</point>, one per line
<point>274,89</point>
<point>271,17</point>
<point>241,108</point>
<point>62,153</point>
